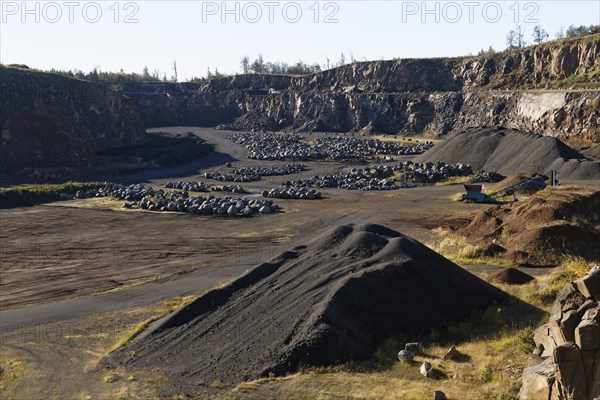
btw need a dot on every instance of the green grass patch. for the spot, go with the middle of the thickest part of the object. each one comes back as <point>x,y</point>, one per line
<point>28,195</point>
<point>571,269</point>
<point>574,80</point>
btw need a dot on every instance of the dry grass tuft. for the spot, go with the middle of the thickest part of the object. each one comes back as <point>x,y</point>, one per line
<point>160,311</point>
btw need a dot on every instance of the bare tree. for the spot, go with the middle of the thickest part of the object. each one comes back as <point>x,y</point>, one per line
<point>520,37</point>
<point>539,34</point>
<point>514,39</point>
<point>245,64</point>
<point>174,77</point>
<point>510,39</point>
<point>342,60</point>
<point>561,33</point>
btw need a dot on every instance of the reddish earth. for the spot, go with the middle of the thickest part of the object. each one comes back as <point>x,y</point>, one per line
<point>544,228</point>
<point>510,276</point>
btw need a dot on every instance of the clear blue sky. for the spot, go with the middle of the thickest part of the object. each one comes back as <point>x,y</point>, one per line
<point>201,35</point>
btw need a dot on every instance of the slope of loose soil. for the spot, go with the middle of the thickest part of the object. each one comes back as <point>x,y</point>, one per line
<point>593,152</point>
<point>510,276</point>
<point>511,152</point>
<point>551,224</point>
<point>330,301</point>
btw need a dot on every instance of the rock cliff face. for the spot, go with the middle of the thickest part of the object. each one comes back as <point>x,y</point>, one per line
<point>50,121</point>
<point>513,88</point>
<point>570,346</point>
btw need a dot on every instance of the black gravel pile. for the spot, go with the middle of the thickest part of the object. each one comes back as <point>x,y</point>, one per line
<point>332,300</point>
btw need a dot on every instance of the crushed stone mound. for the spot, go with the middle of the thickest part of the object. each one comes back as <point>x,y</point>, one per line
<point>510,276</point>
<point>543,228</point>
<point>331,301</point>
<point>511,152</point>
<point>593,152</point>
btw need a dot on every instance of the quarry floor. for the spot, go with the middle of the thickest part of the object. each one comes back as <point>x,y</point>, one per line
<point>77,277</point>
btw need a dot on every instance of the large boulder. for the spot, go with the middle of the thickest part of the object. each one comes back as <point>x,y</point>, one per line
<point>570,373</point>
<point>570,345</point>
<point>405,356</point>
<point>49,121</point>
<point>589,285</point>
<point>543,339</point>
<point>567,311</point>
<point>538,382</point>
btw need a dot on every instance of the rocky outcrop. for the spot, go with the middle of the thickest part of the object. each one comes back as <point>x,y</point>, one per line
<point>536,66</point>
<point>48,120</point>
<point>570,345</point>
<point>407,95</point>
<point>561,114</point>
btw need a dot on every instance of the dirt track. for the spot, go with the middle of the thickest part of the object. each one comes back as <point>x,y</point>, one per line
<point>52,253</point>
<point>56,252</point>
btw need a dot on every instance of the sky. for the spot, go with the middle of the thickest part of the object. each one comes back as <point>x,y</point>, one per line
<point>198,35</point>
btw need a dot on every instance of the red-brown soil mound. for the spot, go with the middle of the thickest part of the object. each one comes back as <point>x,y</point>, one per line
<point>549,225</point>
<point>510,276</point>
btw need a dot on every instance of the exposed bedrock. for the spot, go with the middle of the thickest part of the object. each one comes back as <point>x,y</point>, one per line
<point>570,345</point>
<point>407,95</point>
<point>48,120</point>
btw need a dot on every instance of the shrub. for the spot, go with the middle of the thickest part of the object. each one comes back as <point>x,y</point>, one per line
<point>525,341</point>
<point>485,373</point>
